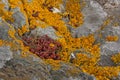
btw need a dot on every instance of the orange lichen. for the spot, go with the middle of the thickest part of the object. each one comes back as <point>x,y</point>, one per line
<point>1,42</point>
<point>73,8</point>
<point>54,63</point>
<point>23,30</point>
<point>4,13</point>
<point>51,45</point>
<point>116,24</point>
<point>38,14</point>
<point>112,38</point>
<point>16,42</point>
<point>102,73</point>
<point>116,58</point>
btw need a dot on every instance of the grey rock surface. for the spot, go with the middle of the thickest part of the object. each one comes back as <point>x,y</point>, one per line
<point>19,18</point>
<point>33,68</point>
<point>110,48</point>
<point>65,73</point>
<point>6,4</point>
<point>4,27</point>
<point>94,16</point>
<point>50,31</point>
<point>106,61</point>
<point>112,4</point>
<point>5,55</point>
<point>20,68</point>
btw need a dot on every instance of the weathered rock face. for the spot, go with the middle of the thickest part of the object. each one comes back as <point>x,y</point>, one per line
<point>50,31</point>
<point>105,60</point>
<point>33,68</point>
<point>94,16</point>
<point>4,31</point>
<point>5,55</point>
<point>70,72</point>
<point>6,4</point>
<point>110,48</point>
<point>19,18</point>
<point>25,69</point>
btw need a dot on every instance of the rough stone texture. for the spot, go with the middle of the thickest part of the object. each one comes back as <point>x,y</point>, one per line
<point>50,31</point>
<point>70,72</point>
<point>5,55</point>
<point>94,15</point>
<point>106,61</point>
<point>101,2</point>
<point>112,7</point>
<point>4,30</point>
<point>6,4</point>
<point>33,68</point>
<point>110,48</point>
<point>19,18</point>
<point>20,68</point>
<point>107,50</point>
<point>111,30</point>
<point>112,4</point>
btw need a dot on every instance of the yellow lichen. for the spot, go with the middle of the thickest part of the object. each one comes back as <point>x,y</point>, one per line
<point>73,8</point>
<point>1,42</point>
<point>51,45</point>
<point>23,30</point>
<point>116,58</point>
<point>38,14</point>
<point>55,64</point>
<point>112,38</point>
<point>4,13</point>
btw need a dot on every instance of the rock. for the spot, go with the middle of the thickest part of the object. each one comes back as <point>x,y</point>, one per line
<point>6,4</point>
<point>28,68</point>
<point>94,15</point>
<point>116,31</point>
<point>50,31</point>
<point>112,4</point>
<point>106,61</point>
<point>20,68</point>
<point>70,72</point>
<point>5,55</point>
<point>102,2</point>
<point>110,48</point>
<point>4,27</point>
<point>111,31</point>
<point>19,18</point>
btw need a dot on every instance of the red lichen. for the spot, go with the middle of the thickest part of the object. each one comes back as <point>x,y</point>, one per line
<point>44,47</point>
